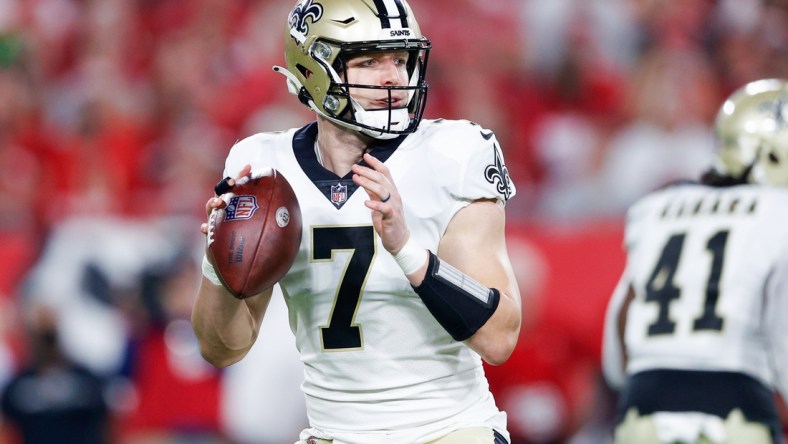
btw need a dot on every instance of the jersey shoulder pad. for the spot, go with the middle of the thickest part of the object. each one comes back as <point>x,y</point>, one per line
<point>456,135</point>
<point>472,152</point>
<point>773,205</point>
<point>655,201</point>
<point>646,209</point>
<point>775,198</point>
<point>255,147</point>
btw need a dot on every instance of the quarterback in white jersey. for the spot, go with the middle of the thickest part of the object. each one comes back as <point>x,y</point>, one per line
<point>375,357</point>
<point>402,284</point>
<point>694,334</point>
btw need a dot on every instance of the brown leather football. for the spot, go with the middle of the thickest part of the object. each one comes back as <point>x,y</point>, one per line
<point>254,240</point>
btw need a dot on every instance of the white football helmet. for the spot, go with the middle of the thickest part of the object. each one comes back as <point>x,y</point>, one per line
<point>752,131</point>
<point>322,34</point>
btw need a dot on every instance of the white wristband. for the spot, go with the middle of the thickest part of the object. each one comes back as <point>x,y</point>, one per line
<point>411,257</point>
<point>209,272</point>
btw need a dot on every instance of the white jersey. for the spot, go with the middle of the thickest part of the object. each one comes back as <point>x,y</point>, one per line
<point>378,366</point>
<point>709,270</point>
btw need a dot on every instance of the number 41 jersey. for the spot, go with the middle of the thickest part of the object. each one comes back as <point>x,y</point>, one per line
<point>709,270</point>
<point>378,366</point>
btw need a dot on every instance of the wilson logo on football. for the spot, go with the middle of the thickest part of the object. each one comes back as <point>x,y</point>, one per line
<point>240,208</point>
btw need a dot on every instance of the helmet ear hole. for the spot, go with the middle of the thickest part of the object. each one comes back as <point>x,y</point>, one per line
<point>304,72</point>
<point>773,158</point>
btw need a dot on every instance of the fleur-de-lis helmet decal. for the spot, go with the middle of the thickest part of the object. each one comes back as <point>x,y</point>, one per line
<point>299,27</point>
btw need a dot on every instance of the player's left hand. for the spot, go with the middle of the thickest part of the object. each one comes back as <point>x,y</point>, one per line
<point>388,217</point>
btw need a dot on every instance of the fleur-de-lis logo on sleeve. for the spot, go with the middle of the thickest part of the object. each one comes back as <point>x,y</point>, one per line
<point>302,11</point>
<point>498,175</point>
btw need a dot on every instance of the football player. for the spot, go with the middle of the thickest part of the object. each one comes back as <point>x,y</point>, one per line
<point>402,284</point>
<point>694,334</point>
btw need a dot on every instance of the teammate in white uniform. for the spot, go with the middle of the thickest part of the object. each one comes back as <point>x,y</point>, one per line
<point>694,334</point>
<point>402,284</point>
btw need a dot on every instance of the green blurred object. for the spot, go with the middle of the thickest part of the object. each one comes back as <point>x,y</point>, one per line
<point>10,49</point>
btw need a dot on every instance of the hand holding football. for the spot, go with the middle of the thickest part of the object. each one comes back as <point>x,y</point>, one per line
<point>253,241</point>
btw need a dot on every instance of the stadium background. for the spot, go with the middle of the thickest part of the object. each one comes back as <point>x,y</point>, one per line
<point>115,117</point>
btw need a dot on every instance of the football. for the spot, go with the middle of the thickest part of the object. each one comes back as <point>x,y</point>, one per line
<point>253,241</point>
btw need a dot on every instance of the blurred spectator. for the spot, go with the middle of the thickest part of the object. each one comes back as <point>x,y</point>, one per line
<point>176,394</point>
<point>89,268</point>
<point>585,103</point>
<point>551,386</point>
<point>52,398</point>
<point>549,29</point>
<point>671,99</point>
<point>748,40</point>
<point>133,281</point>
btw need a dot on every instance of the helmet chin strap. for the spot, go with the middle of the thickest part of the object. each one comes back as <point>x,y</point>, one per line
<point>386,120</point>
<point>376,118</point>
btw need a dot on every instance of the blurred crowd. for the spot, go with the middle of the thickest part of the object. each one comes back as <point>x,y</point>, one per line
<point>116,115</point>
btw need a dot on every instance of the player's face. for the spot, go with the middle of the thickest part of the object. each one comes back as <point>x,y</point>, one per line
<point>379,69</point>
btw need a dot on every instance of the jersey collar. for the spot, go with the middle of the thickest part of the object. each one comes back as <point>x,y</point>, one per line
<point>336,189</point>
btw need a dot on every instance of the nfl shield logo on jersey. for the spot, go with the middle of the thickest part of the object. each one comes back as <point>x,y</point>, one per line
<point>241,208</point>
<point>338,194</point>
